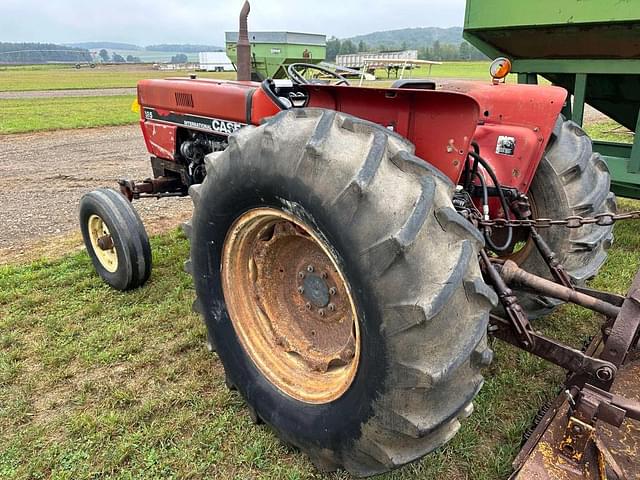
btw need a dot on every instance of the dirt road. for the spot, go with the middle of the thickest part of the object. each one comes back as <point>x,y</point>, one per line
<point>43,176</point>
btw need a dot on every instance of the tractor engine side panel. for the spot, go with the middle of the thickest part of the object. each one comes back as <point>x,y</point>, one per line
<point>439,124</point>
<point>160,139</point>
<point>212,107</point>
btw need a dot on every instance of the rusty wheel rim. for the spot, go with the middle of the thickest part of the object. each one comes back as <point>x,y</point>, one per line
<point>290,305</point>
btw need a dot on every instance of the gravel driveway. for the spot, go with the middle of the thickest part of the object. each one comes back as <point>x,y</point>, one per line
<point>43,176</point>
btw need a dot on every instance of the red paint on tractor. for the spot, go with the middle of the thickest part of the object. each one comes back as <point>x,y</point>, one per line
<point>160,139</point>
<point>439,124</point>
<point>527,113</point>
<point>232,101</point>
<point>241,102</point>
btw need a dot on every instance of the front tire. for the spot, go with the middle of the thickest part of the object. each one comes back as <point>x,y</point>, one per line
<point>116,239</point>
<point>407,257</point>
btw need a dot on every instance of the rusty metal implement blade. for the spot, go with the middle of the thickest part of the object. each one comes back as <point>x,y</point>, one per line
<point>615,454</point>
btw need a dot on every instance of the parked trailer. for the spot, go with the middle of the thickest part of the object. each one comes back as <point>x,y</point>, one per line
<point>589,47</point>
<point>215,62</point>
<point>272,52</point>
<point>362,60</point>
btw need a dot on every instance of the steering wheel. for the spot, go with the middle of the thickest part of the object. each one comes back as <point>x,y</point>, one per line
<point>294,72</point>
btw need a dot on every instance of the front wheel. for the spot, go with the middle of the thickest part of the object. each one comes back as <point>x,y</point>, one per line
<point>341,289</point>
<point>115,239</point>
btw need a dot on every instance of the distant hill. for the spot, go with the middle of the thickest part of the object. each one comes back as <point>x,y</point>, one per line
<point>41,53</point>
<point>106,45</point>
<point>183,48</point>
<point>411,37</point>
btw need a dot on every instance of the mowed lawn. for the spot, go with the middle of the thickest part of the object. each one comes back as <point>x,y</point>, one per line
<point>40,114</point>
<point>66,78</point>
<point>100,384</point>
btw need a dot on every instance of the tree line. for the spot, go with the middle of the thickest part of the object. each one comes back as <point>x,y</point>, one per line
<point>116,57</point>
<point>437,51</point>
<point>41,53</point>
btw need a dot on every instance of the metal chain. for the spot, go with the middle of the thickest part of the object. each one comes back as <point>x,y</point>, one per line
<point>574,221</point>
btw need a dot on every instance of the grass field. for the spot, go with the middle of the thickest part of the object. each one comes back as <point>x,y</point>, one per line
<point>99,384</point>
<point>39,114</point>
<point>27,79</point>
<point>64,78</point>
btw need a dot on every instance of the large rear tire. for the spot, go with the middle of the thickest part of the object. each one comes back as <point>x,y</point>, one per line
<point>572,179</point>
<point>410,262</point>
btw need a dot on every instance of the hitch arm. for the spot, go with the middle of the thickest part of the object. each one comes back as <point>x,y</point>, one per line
<point>515,276</point>
<point>555,352</point>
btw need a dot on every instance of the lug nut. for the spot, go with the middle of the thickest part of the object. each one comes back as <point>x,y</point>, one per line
<point>300,274</point>
<point>308,306</point>
<point>324,275</point>
<point>300,290</point>
<point>310,269</point>
<point>332,291</point>
<point>332,307</point>
<point>321,312</point>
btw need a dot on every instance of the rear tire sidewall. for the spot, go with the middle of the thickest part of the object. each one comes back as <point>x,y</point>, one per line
<point>302,424</point>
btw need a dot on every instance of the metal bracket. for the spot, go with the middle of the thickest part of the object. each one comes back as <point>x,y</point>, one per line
<point>575,361</point>
<point>151,187</point>
<point>518,321</point>
<point>522,208</point>
<point>576,439</point>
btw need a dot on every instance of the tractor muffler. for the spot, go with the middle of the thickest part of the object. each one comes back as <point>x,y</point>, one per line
<point>244,47</point>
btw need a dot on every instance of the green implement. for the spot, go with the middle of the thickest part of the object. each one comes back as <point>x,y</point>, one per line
<point>589,47</point>
<point>272,52</point>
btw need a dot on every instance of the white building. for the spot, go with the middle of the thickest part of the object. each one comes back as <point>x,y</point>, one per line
<point>215,62</point>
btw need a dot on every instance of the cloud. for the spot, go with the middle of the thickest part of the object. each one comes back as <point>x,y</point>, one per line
<point>199,21</point>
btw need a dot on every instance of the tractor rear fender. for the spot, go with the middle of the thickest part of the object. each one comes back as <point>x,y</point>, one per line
<point>514,125</point>
<point>439,124</point>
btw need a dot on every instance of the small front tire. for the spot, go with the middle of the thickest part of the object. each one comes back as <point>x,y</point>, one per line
<point>116,239</point>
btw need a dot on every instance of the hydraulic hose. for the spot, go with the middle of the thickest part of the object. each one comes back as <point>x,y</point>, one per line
<point>503,201</point>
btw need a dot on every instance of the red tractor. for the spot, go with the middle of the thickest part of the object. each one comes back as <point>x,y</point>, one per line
<point>352,248</point>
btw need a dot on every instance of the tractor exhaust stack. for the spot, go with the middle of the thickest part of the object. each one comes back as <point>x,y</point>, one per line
<point>244,48</point>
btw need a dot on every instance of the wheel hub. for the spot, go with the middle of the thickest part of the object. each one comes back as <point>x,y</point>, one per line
<point>315,290</point>
<point>102,243</point>
<point>290,305</point>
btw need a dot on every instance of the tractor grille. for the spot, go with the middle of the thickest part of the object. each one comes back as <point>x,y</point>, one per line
<point>184,100</point>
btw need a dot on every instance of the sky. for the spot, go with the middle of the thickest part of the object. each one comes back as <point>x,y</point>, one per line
<point>146,22</point>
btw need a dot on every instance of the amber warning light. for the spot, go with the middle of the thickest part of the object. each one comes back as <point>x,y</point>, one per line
<point>500,68</point>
